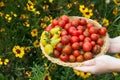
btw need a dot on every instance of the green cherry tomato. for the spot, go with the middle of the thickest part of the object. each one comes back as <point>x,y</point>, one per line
<point>54,42</point>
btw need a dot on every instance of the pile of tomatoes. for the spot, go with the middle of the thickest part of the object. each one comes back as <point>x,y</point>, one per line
<point>80,40</point>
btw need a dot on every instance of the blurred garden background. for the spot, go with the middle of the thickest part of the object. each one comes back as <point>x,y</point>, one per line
<point>21,25</point>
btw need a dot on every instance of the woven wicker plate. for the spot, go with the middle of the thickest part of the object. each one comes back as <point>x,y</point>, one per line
<point>73,64</point>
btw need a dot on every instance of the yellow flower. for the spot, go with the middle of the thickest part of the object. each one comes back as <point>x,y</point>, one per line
<point>47,77</point>
<point>2,4</point>
<point>43,25</point>
<point>85,74</point>
<point>8,17</point>
<point>23,16</point>
<point>6,61</point>
<point>27,49</point>
<point>36,44</point>
<point>1,14</point>
<point>51,1</point>
<point>77,72</point>
<point>75,2</point>
<point>115,11</point>
<point>115,74</point>
<point>26,24</point>
<point>45,7</point>
<point>117,55</point>
<point>31,8</point>
<point>88,13</point>
<point>18,51</point>
<point>15,15</point>
<point>1,61</point>
<point>28,73</point>
<point>29,3</point>
<point>34,32</point>
<point>82,74</point>
<point>105,22</point>
<point>92,5</point>
<point>53,67</point>
<point>46,19</point>
<point>2,29</point>
<point>117,2</point>
<point>37,12</point>
<point>69,5</point>
<point>43,56</point>
<point>82,8</point>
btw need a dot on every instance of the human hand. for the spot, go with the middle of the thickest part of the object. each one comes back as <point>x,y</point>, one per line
<point>114,45</point>
<point>101,64</point>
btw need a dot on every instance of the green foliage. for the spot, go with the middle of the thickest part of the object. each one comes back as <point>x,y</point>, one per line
<point>1,77</point>
<point>38,72</point>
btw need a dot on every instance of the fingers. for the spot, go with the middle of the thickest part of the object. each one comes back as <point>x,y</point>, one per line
<point>90,69</point>
<point>89,62</point>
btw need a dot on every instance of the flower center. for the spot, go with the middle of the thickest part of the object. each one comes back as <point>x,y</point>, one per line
<point>18,51</point>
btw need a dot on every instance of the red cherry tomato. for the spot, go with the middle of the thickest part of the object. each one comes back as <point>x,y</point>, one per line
<point>80,58</point>
<point>75,45</point>
<point>75,22</point>
<point>74,39</point>
<point>96,49</point>
<point>93,30</point>
<point>55,22</point>
<point>80,32</point>
<point>76,53</point>
<point>59,46</point>
<point>48,28</point>
<point>63,32</point>
<point>75,33</point>
<point>65,39</point>
<point>71,29</point>
<point>65,18</point>
<point>87,46</point>
<point>88,55</point>
<point>81,37</point>
<point>72,58</point>
<point>100,41</point>
<point>67,26</point>
<point>102,31</point>
<point>93,43</point>
<point>94,37</point>
<point>87,39</point>
<point>83,22</point>
<point>64,57</point>
<point>89,25</point>
<point>86,33</point>
<point>80,28</point>
<point>67,49</point>
<point>61,23</point>
<point>56,53</point>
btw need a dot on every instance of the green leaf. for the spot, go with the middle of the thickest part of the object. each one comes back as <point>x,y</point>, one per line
<point>1,77</point>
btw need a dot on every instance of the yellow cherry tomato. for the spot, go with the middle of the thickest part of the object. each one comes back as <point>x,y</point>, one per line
<point>44,41</point>
<point>55,36</point>
<point>45,35</point>
<point>54,30</point>
<point>48,49</point>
